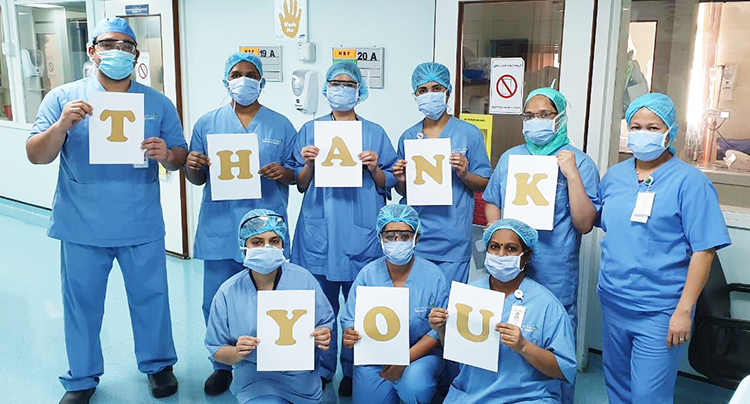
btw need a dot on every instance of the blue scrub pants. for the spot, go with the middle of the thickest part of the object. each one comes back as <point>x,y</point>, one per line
<point>267,400</point>
<point>454,271</point>
<point>84,272</point>
<point>328,360</point>
<point>417,383</point>
<point>568,390</point>
<point>215,273</point>
<point>638,366</point>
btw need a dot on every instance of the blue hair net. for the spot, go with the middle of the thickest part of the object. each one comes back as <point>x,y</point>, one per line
<point>243,57</point>
<point>351,70</point>
<point>398,213</point>
<point>528,234</point>
<point>259,221</point>
<point>662,106</point>
<point>431,71</point>
<point>113,24</point>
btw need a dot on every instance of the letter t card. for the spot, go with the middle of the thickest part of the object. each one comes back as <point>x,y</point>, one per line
<point>116,128</point>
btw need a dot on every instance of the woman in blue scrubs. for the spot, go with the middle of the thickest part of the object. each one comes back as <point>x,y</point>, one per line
<point>546,133</point>
<point>450,250</point>
<point>399,229</point>
<point>663,227</point>
<point>536,359</point>
<point>243,78</point>
<point>232,324</point>
<point>335,235</point>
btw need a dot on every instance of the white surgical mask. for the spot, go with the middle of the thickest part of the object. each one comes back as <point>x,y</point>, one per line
<point>264,260</point>
<point>504,268</point>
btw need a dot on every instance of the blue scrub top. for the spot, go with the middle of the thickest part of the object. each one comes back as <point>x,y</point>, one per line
<point>335,233</point>
<point>427,289</point>
<point>644,265</point>
<point>436,242</point>
<point>216,237</point>
<point>107,205</point>
<point>234,314</point>
<point>546,324</point>
<point>558,249</point>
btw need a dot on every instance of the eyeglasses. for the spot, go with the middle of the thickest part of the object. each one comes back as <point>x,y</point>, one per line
<point>397,235</point>
<point>527,116</point>
<point>259,222</point>
<point>344,83</point>
<point>434,89</point>
<point>111,44</point>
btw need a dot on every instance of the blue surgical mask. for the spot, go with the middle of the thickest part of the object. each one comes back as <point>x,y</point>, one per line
<point>398,252</point>
<point>244,90</point>
<point>647,145</point>
<point>116,64</point>
<point>541,131</point>
<point>264,260</point>
<point>432,105</point>
<point>504,268</point>
<point>342,98</point>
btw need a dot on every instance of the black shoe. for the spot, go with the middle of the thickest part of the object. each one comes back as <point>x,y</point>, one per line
<point>345,387</point>
<point>163,383</point>
<point>218,382</point>
<point>77,397</point>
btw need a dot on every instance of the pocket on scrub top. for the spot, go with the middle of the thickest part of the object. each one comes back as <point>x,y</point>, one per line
<point>315,236</point>
<point>139,201</point>
<point>363,243</point>
<point>81,198</point>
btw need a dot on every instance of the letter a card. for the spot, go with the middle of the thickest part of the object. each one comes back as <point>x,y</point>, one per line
<point>530,190</point>
<point>286,318</point>
<point>429,177</point>
<point>382,320</point>
<point>116,128</point>
<point>235,162</point>
<point>470,335</point>
<point>340,144</point>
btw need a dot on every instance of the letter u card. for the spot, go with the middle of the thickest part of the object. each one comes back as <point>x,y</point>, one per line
<point>470,335</point>
<point>429,177</point>
<point>116,128</point>
<point>530,190</point>
<point>340,144</point>
<point>286,318</point>
<point>235,162</point>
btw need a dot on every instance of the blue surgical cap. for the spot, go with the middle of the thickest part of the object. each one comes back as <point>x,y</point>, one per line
<point>431,71</point>
<point>525,232</point>
<point>555,96</point>
<point>662,106</point>
<point>351,70</point>
<point>243,57</point>
<point>112,24</point>
<point>398,213</point>
<point>259,221</point>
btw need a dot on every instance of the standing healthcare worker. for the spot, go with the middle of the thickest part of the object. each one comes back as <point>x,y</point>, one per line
<point>546,132</point>
<point>243,78</point>
<point>536,359</point>
<point>335,234</point>
<point>663,226</point>
<point>446,239</point>
<point>103,212</point>
<point>233,323</point>
<point>398,227</point>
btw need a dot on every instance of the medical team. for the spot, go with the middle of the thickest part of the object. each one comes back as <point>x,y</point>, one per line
<point>661,217</point>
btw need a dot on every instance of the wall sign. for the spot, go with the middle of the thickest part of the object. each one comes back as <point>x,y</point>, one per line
<point>270,56</point>
<point>369,60</point>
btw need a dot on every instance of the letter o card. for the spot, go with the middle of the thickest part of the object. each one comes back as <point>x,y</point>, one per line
<point>429,177</point>
<point>235,162</point>
<point>530,190</point>
<point>340,144</point>
<point>116,128</point>
<point>382,320</point>
<point>286,318</point>
<point>470,335</point>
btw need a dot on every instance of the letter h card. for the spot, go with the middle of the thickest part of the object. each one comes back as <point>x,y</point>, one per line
<point>286,318</point>
<point>235,162</point>
<point>429,177</point>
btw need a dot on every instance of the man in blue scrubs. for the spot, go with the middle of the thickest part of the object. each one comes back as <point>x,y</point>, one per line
<point>243,78</point>
<point>103,212</point>
<point>446,239</point>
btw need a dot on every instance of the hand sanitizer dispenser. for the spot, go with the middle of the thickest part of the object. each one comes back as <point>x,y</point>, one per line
<point>305,89</point>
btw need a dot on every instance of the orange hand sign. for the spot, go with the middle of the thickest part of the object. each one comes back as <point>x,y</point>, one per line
<point>290,19</point>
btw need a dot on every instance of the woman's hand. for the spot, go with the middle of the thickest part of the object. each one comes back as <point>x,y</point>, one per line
<point>392,373</point>
<point>679,327</point>
<point>460,163</point>
<point>438,317</point>
<point>309,153</point>
<point>369,159</point>
<point>566,160</point>
<point>351,337</point>
<point>196,161</point>
<point>399,170</point>
<point>322,337</point>
<point>246,345</point>
<point>511,336</point>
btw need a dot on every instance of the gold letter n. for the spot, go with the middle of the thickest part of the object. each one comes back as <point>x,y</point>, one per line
<point>118,126</point>
<point>524,189</point>
<point>243,163</point>
<point>423,166</point>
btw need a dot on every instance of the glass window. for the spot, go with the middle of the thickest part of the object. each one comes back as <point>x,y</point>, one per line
<point>52,41</point>
<point>6,113</point>
<point>695,52</point>
<point>528,29</point>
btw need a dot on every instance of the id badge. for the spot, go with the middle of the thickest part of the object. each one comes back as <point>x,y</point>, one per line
<point>142,165</point>
<point>643,207</point>
<point>516,315</point>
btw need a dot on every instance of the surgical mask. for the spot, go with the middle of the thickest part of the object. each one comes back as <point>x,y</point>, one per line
<point>503,268</point>
<point>432,105</point>
<point>647,145</point>
<point>398,252</point>
<point>116,64</point>
<point>342,98</point>
<point>540,131</point>
<point>244,90</point>
<point>264,260</point>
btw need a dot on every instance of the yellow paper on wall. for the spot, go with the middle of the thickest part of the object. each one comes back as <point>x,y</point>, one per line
<point>484,123</point>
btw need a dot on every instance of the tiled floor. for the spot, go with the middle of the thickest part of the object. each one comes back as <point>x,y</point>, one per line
<point>32,351</point>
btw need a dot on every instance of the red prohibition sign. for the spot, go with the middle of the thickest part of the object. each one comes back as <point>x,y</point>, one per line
<point>509,86</point>
<point>142,71</point>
